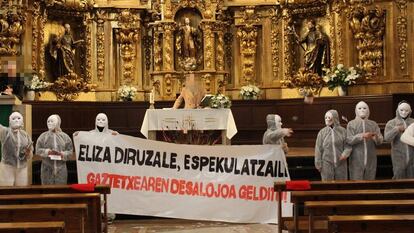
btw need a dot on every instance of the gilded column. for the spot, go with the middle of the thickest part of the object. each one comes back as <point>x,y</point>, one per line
<point>157,48</point>
<point>275,42</point>
<point>127,36</point>
<point>168,46</point>
<point>87,20</point>
<point>41,67</point>
<point>35,35</point>
<point>220,51</point>
<point>402,34</point>
<point>247,35</point>
<point>100,46</point>
<point>337,31</point>
<point>208,45</point>
<point>287,45</point>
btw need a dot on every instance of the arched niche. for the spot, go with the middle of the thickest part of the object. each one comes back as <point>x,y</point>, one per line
<point>182,61</point>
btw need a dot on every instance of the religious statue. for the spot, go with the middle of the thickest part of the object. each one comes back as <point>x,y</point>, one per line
<point>317,50</point>
<point>188,45</point>
<point>62,53</point>
<point>192,94</point>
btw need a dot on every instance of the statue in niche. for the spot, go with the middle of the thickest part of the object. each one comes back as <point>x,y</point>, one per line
<point>62,53</point>
<point>316,50</point>
<point>188,46</point>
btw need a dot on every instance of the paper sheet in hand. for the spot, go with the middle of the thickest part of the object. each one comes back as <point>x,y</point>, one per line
<point>55,157</point>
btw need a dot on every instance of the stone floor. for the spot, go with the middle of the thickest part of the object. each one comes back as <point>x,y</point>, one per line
<point>185,226</point>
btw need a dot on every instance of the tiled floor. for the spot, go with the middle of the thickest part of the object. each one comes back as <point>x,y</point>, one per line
<point>186,226</point>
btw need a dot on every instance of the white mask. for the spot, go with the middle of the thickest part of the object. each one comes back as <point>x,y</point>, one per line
<point>16,120</point>
<point>328,119</point>
<point>278,122</point>
<point>362,110</point>
<point>52,122</point>
<point>404,110</point>
<point>101,120</point>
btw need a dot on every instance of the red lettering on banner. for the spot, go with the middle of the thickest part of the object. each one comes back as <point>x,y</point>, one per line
<point>90,178</point>
<point>185,187</point>
<point>250,192</point>
<point>144,184</point>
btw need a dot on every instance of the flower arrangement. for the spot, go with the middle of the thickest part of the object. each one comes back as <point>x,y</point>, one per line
<point>127,93</point>
<point>250,92</point>
<point>340,76</point>
<point>220,101</point>
<point>36,84</point>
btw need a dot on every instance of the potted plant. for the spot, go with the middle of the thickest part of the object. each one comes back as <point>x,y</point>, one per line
<point>127,93</point>
<point>341,77</point>
<point>250,92</point>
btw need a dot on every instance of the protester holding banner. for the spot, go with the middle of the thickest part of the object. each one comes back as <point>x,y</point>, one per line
<point>55,147</point>
<point>275,133</point>
<point>16,150</point>
<point>101,124</point>
<point>331,149</point>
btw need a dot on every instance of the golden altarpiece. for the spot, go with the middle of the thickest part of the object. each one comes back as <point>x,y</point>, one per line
<point>226,44</point>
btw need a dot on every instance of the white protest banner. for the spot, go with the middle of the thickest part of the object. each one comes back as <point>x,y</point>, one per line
<point>221,183</point>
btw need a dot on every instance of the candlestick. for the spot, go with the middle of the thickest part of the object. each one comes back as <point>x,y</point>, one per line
<point>151,99</point>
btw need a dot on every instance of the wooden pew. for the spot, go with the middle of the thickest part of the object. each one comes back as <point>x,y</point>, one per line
<point>358,207</point>
<point>32,227</point>
<point>280,187</point>
<point>298,197</point>
<point>73,215</point>
<point>49,189</point>
<point>371,223</point>
<point>94,223</point>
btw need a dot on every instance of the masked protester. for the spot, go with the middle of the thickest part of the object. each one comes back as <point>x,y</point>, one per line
<point>401,153</point>
<point>55,147</point>
<point>331,149</point>
<point>16,150</point>
<point>275,133</point>
<point>363,135</point>
<point>102,126</point>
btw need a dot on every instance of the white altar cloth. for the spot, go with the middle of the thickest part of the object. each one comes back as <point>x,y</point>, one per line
<point>189,119</point>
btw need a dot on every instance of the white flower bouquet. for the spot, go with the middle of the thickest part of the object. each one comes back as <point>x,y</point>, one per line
<point>340,76</point>
<point>36,84</point>
<point>220,101</point>
<point>249,92</point>
<point>127,93</point>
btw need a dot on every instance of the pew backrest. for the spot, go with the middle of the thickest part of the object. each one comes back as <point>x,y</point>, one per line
<point>371,223</point>
<point>33,227</point>
<point>94,223</point>
<point>74,215</point>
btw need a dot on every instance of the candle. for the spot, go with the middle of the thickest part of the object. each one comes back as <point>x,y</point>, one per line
<point>151,99</point>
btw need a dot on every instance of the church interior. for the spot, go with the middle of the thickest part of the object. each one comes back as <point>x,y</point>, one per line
<point>294,58</point>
